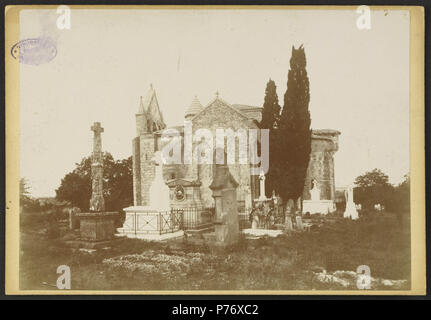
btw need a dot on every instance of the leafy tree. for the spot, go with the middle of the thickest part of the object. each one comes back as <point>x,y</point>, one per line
<point>372,188</point>
<point>270,120</point>
<point>371,178</point>
<point>295,132</point>
<point>75,187</point>
<point>400,203</point>
<point>119,192</point>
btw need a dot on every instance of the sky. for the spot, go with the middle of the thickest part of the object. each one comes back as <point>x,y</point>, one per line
<point>359,79</point>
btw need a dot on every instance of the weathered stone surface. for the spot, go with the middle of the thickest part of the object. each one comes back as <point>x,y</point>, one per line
<point>148,170</point>
<point>288,223</point>
<point>136,159</point>
<point>73,219</point>
<point>324,144</point>
<point>97,202</point>
<point>351,211</point>
<point>299,224</point>
<point>97,226</point>
<point>220,115</point>
<point>224,193</point>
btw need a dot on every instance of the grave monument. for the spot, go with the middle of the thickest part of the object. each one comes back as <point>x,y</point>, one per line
<point>155,221</point>
<point>351,211</point>
<point>316,204</point>
<point>97,225</point>
<point>223,189</point>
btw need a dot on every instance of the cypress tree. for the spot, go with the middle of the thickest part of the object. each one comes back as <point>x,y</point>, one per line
<point>270,119</point>
<point>295,132</point>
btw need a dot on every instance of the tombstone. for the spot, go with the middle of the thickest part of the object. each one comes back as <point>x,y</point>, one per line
<point>351,211</point>
<point>73,219</point>
<point>288,223</point>
<point>255,222</point>
<point>315,191</point>
<point>223,189</point>
<point>299,224</point>
<point>262,196</point>
<point>288,211</point>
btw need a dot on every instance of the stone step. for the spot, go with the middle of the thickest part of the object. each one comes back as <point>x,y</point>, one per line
<point>210,236</point>
<point>199,229</point>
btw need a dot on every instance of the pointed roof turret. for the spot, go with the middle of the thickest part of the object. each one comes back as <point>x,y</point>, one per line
<point>150,99</point>
<point>150,107</point>
<point>194,108</point>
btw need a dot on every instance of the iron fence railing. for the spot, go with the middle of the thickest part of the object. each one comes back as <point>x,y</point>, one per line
<point>187,218</point>
<point>154,222</point>
<point>195,217</point>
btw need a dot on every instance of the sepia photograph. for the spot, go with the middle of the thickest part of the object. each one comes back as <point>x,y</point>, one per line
<point>215,150</point>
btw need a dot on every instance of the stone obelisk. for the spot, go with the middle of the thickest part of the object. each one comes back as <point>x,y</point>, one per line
<point>97,202</point>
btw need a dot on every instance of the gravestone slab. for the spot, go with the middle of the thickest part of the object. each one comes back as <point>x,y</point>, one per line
<point>288,223</point>
<point>97,226</point>
<point>224,188</point>
<point>299,224</point>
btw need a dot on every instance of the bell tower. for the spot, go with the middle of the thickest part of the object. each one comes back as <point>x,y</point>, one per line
<point>149,120</point>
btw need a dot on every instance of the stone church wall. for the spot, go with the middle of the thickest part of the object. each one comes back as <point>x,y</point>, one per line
<point>221,116</point>
<point>324,144</point>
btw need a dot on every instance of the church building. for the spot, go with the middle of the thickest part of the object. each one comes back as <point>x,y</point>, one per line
<point>189,183</point>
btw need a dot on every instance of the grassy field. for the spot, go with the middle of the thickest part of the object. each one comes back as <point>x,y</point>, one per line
<point>323,258</point>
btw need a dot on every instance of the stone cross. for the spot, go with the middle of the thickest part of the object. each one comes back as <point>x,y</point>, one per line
<point>97,202</point>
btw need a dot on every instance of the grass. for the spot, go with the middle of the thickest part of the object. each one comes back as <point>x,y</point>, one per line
<point>288,262</point>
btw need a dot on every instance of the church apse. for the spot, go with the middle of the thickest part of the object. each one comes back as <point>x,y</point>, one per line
<point>324,144</point>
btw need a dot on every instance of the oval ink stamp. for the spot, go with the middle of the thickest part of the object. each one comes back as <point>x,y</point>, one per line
<point>34,51</point>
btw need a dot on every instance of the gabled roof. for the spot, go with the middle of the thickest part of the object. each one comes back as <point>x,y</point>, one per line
<point>243,107</point>
<point>220,101</point>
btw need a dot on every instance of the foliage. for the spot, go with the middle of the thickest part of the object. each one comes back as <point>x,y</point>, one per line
<point>271,107</point>
<point>295,132</point>
<point>270,120</point>
<point>75,187</point>
<point>27,202</point>
<point>372,178</point>
<point>373,187</point>
<point>401,201</point>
